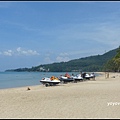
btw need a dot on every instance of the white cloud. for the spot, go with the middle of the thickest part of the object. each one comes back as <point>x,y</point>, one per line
<point>19,51</point>
<point>64,54</point>
<point>62,59</point>
<point>26,52</point>
<point>31,52</point>
<point>8,53</point>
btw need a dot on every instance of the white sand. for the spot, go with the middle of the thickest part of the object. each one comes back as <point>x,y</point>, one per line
<point>88,99</point>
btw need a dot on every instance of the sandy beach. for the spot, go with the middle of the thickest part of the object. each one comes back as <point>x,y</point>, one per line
<point>98,98</point>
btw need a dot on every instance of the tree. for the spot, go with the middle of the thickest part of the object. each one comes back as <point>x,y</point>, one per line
<point>116,60</point>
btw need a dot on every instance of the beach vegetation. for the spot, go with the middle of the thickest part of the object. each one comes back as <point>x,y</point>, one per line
<point>114,63</point>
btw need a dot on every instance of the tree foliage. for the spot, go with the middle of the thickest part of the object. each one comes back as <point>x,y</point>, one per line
<point>114,63</point>
<point>116,60</point>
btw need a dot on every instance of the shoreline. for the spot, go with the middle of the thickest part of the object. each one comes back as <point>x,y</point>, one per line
<point>14,79</point>
<point>99,73</point>
<point>89,99</point>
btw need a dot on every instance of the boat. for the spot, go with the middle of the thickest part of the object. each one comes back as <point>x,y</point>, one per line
<point>64,79</point>
<point>92,75</point>
<point>50,81</point>
<point>77,78</point>
<point>88,76</point>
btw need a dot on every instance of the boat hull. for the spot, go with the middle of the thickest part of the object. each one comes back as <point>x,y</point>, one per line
<point>48,82</point>
<point>64,80</point>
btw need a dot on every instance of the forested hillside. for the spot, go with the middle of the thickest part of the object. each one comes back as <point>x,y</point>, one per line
<point>89,64</point>
<point>113,64</point>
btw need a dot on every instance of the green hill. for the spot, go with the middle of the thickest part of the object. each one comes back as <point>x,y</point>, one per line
<point>87,64</point>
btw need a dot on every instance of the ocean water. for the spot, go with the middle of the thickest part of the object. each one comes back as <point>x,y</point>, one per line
<point>21,79</point>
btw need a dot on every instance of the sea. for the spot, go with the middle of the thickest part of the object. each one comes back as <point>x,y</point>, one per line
<point>22,79</point>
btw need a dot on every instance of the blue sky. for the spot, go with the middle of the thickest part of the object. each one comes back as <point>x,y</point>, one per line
<point>34,33</point>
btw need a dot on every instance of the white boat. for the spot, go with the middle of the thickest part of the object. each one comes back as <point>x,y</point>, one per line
<point>92,75</point>
<point>77,78</point>
<point>64,79</point>
<point>87,76</point>
<point>50,82</point>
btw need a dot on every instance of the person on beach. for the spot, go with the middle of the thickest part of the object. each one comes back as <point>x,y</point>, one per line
<point>106,74</point>
<point>67,75</point>
<point>28,88</point>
